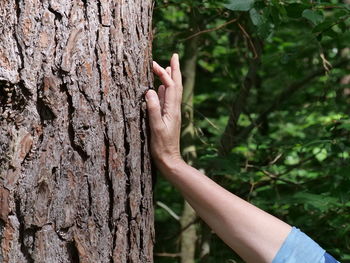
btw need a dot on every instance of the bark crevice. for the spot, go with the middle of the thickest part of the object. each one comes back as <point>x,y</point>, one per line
<point>109,181</point>
<point>99,11</point>
<point>58,15</point>
<point>15,36</point>
<point>45,112</point>
<point>21,237</point>
<point>71,132</point>
<point>98,66</point>
<point>143,146</point>
<point>73,252</point>
<point>127,172</point>
<point>89,196</point>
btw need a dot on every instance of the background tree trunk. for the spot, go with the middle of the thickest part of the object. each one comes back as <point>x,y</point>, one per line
<point>189,217</point>
<point>75,181</point>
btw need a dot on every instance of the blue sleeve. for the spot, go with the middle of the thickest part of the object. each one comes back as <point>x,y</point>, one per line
<point>299,248</point>
<point>329,259</point>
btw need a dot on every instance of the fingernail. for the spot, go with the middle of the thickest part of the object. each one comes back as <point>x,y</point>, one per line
<point>149,96</point>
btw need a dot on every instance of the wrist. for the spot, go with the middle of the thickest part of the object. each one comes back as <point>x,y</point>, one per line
<point>169,163</point>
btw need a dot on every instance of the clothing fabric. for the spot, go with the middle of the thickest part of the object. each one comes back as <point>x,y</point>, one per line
<point>299,248</point>
<point>329,259</point>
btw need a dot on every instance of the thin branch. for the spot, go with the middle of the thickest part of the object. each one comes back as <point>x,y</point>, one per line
<point>211,29</point>
<point>195,221</point>
<point>292,167</point>
<point>332,25</point>
<point>329,7</point>
<point>169,210</point>
<point>168,255</point>
<point>276,159</point>
<point>326,64</point>
<point>249,40</point>
<point>202,115</point>
<point>276,177</point>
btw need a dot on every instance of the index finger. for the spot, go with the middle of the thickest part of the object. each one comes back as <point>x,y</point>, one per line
<point>163,75</point>
<point>175,70</point>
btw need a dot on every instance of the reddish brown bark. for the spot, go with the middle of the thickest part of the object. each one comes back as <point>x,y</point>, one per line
<point>75,173</point>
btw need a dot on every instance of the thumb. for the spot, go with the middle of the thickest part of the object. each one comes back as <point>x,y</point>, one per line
<point>154,111</point>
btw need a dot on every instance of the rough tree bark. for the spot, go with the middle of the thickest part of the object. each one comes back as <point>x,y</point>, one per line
<point>75,173</point>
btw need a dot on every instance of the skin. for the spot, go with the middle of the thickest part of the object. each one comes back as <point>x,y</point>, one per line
<point>252,233</point>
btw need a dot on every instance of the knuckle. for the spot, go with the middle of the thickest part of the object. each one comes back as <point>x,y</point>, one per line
<point>176,114</point>
<point>153,107</point>
<point>157,128</point>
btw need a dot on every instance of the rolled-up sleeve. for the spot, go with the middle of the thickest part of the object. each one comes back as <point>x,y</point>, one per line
<point>299,248</point>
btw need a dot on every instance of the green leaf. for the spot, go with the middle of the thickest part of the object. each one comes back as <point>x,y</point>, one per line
<point>240,5</point>
<point>323,26</point>
<point>320,202</point>
<point>275,14</point>
<point>331,33</point>
<point>315,17</point>
<point>256,17</point>
<point>292,159</point>
<point>265,29</point>
<point>343,27</point>
<point>320,154</point>
<point>345,125</point>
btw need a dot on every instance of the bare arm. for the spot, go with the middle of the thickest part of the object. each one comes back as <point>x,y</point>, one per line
<point>254,234</point>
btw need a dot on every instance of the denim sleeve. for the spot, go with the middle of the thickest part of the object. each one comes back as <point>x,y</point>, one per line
<point>299,248</point>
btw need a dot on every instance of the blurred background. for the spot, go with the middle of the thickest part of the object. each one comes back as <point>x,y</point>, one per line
<point>265,114</point>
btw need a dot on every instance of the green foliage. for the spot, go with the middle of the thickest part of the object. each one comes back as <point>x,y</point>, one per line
<point>296,162</point>
<point>316,17</point>
<point>240,5</point>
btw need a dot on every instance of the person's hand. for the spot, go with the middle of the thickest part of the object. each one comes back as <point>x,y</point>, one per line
<point>164,110</point>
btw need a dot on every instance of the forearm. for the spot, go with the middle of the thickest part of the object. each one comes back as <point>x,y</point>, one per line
<point>254,234</point>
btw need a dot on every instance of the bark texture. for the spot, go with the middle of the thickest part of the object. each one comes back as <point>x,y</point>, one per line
<point>75,174</point>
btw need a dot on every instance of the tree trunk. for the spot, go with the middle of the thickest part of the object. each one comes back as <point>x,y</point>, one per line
<point>189,153</point>
<point>75,173</point>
